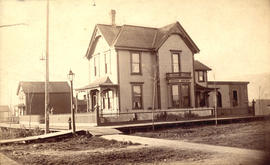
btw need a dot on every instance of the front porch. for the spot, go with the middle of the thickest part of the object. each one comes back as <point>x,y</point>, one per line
<point>202,95</point>
<point>101,94</point>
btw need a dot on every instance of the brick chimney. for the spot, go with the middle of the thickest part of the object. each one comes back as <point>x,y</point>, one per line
<point>113,12</point>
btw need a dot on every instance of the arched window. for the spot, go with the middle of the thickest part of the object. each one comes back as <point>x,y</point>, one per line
<point>219,99</point>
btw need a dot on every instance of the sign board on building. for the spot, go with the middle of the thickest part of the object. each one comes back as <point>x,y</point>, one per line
<point>179,80</point>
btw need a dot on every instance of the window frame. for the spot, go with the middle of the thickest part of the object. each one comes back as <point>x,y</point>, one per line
<point>233,99</point>
<point>139,84</point>
<point>180,95</point>
<point>178,92</point>
<point>203,76</point>
<point>105,63</point>
<point>131,63</point>
<point>95,67</point>
<point>178,53</point>
<point>188,95</point>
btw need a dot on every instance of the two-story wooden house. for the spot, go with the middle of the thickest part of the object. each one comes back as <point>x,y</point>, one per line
<point>134,68</point>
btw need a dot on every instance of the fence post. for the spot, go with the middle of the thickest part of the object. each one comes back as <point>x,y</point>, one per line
<point>97,116</point>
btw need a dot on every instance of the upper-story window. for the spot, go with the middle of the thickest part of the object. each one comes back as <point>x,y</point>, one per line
<point>201,76</point>
<point>175,62</point>
<point>106,62</point>
<point>95,66</point>
<point>136,63</point>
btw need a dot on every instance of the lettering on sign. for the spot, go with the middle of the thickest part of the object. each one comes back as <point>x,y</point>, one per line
<point>179,80</point>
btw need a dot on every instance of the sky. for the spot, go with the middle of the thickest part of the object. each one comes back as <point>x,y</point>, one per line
<point>232,35</point>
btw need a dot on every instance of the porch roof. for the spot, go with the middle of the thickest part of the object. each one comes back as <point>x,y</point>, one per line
<point>202,88</point>
<point>101,82</point>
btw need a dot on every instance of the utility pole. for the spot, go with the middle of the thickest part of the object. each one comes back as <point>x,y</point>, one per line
<point>47,73</point>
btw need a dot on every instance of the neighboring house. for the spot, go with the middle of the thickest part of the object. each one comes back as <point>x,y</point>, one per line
<point>4,113</point>
<point>32,98</point>
<point>139,68</point>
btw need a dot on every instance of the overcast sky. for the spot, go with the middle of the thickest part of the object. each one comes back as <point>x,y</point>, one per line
<point>233,35</point>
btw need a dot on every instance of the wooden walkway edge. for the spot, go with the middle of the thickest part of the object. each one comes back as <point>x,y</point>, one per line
<point>39,137</point>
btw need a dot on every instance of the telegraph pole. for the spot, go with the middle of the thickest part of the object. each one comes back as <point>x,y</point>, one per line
<point>47,73</point>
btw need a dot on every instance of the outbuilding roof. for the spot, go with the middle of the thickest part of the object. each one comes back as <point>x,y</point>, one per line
<point>39,87</point>
<point>146,38</point>
<point>200,66</point>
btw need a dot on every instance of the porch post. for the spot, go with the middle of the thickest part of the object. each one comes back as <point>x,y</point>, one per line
<point>87,101</point>
<point>98,107</point>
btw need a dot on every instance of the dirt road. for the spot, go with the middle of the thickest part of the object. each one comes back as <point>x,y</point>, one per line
<point>222,155</point>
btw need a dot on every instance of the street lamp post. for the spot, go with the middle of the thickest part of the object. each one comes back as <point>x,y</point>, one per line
<point>71,77</point>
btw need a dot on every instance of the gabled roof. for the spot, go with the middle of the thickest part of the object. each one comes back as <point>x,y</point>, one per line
<point>39,87</point>
<point>200,66</point>
<point>101,82</point>
<point>4,108</point>
<point>146,38</point>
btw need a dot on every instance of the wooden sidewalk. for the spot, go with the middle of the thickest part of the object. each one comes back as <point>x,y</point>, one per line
<point>164,123</point>
<point>113,130</point>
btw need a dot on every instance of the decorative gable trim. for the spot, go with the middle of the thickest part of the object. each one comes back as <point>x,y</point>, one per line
<point>184,36</point>
<point>93,42</point>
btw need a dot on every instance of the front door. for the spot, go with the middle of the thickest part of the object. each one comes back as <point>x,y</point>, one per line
<point>94,101</point>
<point>180,95</point>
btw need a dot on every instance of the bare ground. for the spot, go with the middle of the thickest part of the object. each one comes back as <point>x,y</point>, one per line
<point>93,150</point>
<point>84,149</point>
<point>250,135</point>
